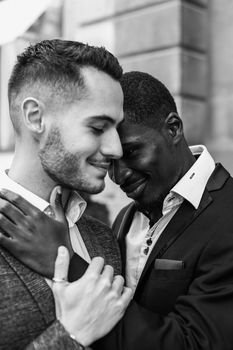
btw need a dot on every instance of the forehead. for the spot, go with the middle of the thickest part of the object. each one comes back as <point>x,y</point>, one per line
<point>101,85</point>
<point>102,93</point>
<point>137,133</point>
<point>101,96</point>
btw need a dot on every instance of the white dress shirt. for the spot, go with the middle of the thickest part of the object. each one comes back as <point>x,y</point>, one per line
<point>190,187</point>
<point>75,207</point>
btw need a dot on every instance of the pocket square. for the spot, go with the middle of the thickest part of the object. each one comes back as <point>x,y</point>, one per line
<point>167,264</point>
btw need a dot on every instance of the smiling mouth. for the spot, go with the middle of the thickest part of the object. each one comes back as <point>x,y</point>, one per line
<point>133,190</point>
<point>102,166</point>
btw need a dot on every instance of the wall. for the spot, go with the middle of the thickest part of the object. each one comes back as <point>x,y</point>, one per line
<point>166,38</point>
<point>220,87</point>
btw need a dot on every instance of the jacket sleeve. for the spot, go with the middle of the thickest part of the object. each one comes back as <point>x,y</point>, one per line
<point>55,337</point>
<point>200,319</point>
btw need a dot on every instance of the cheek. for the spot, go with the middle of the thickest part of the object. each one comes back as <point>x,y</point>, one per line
<point>150,157</point>
<point>148,162</point>
<point>81,144</point>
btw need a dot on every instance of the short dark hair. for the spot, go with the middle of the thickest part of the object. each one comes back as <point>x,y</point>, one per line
<point>146,100</point>
<point>53,68</point>
<point>58,62</point>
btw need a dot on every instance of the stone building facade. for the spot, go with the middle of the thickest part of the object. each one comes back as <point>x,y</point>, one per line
<point>185,43</point>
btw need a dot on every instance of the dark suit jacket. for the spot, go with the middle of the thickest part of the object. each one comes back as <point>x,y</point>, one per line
<point>190,305</point>
<point>27,311</point>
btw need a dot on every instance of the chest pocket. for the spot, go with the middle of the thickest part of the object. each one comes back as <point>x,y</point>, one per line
<point>161,288</point>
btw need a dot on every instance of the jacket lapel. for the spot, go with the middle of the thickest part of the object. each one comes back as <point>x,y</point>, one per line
<point>98,243</point>
<point>121,227</point>
<point>90,241</point>
<point>37,286</point>
<point>183,218</point>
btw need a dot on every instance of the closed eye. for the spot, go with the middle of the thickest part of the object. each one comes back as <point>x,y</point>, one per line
<point>129,152</point>
<point>97,131</point>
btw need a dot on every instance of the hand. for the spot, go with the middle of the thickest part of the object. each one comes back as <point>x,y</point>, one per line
<point>90,307</point>
<point>29,234</point>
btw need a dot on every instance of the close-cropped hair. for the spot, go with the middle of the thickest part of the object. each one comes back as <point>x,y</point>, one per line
<point>146,100</point>
<point>57,63</point>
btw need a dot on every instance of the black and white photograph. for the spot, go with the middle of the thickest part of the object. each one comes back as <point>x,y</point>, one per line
<point>116,175</point>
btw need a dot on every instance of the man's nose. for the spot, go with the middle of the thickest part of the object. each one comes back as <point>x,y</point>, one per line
<point>119,172</point>
<point>111,146</point>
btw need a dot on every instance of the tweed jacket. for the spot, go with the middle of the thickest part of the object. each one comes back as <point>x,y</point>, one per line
<point>27,310</point>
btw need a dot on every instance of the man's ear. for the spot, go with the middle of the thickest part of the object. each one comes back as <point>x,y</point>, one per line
<point>174,127</point>
<point>33,114</point>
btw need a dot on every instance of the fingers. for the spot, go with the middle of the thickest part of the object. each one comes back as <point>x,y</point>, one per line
<point>127,296</point>
<point>108,273</point>
<point>6,225</point>
<point>56,203</point>
<point>118,284</point>
<point>10,211</point>
<point>62,264</point>
<point>96,266</point>
<point>124,293</point>
<point>60,276</point>
<point>19,202</point>
<point>5,241</point>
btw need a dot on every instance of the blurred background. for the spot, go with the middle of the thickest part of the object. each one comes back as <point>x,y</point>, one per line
<point>185,43</point>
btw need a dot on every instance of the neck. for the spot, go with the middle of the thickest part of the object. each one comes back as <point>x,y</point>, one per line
<point>27,171</point>
<point>188,161</point>
<point>153,213</point>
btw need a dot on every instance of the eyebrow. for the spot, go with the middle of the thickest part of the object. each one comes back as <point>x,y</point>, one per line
<point>131,143</point>
<point>104,118</point>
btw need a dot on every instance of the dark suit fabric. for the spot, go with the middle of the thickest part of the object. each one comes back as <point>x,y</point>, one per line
<point>189,308</point>
<point>27,310</point>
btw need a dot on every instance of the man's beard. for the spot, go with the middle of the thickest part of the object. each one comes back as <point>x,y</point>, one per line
<point>64,167</point>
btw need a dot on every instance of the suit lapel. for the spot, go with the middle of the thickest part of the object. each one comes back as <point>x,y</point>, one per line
<point>37,286</point>
<point>185,215</point>
<point>121,227</point>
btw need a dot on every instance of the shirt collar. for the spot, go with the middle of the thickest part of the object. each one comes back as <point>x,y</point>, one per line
<point>75,206</point>
<point>192,185</point>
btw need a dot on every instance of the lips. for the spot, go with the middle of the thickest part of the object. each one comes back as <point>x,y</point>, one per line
<point>134,189</point>
<point>103,166</point>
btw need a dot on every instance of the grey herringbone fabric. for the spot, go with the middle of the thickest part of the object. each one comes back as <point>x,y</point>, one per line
<point>100,241</point>
<point>55,337</point>
<point>27,311</point>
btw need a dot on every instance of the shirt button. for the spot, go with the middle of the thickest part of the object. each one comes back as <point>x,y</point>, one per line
<point>149,241</point>
<point>146,250</point>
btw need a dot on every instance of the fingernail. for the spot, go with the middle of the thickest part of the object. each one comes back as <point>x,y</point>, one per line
<point>62,250</point>
<point>59,190</point>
